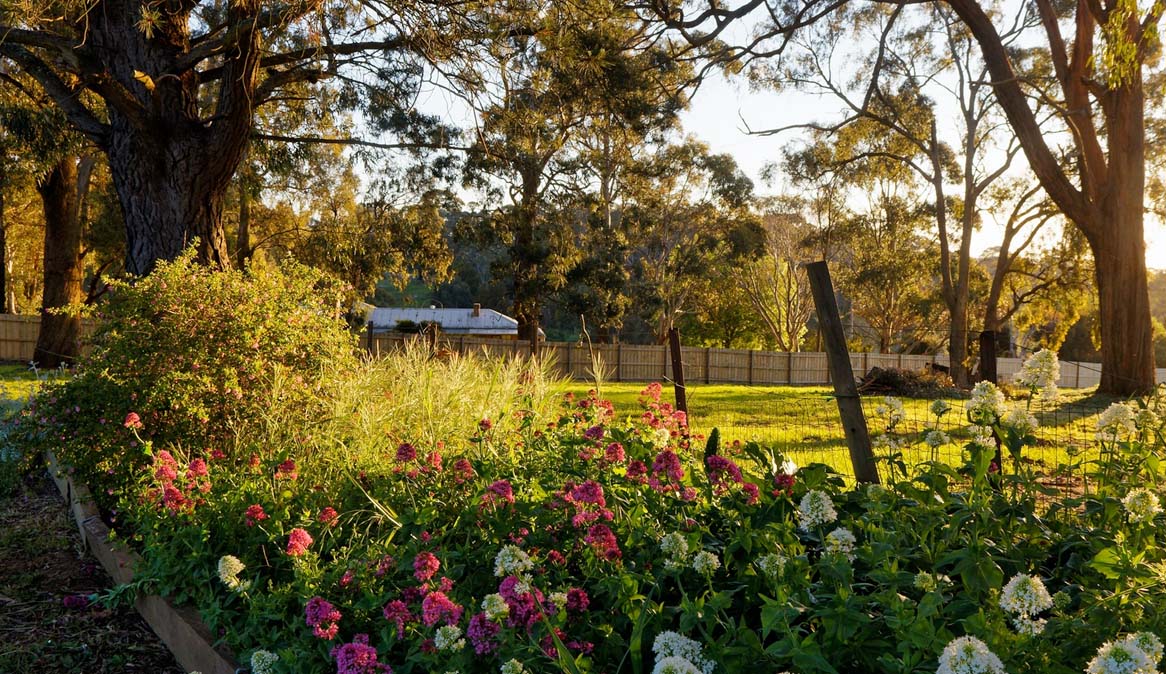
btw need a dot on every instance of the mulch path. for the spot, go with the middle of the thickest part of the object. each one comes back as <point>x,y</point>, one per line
<point>47,624</point>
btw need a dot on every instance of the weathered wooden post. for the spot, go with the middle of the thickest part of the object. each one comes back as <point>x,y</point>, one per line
<point>842,375</point>
<point>678,371</point>
<point>988,372</point>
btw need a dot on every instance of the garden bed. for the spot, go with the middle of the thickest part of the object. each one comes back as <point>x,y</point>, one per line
<point>180,628</point>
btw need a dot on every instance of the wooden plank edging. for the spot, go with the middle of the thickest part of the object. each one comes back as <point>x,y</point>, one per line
<point>180,628</point>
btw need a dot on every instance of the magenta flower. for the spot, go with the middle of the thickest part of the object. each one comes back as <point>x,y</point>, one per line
<point>483,633</point>
<point>668,463</point>
<point>499,490</point>
<point>297,542</point>
<point>603,542</point>
<point>613,453</point>
<point>322,617</point>
<point>358,657</point>
<point>287,471</point>
<point>637,470</point>
<point>722,471</point>
<point>436,607</point>
<point>406,453</point>
<point>425,565</point>
<point>463,470</point>
<point>589,492</point>
<point>197,468</point>
<point>577,600</point>
<point>397,612</point>
<point>165,467</point>
<point>594,433</point>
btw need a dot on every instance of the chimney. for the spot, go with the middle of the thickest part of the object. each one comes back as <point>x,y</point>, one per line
<point>477,310</point>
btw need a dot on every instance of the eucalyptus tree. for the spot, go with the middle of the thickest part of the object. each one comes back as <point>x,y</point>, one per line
<point>1096,91</point>
<point>775,284</point>
<point>559,101</point>
<point>171,88</point>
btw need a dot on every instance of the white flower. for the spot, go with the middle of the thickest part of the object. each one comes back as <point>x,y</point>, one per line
<point>1146,419</point>
<point>495,607</point>
<point>512,667</point>
<point>1121,657</point>
<point>816,509</point>
<point>936,438</point>
<point>1040,372</point>
<point>229,569</point>
<point>1029,627</point>
<point>968,655</point>
<point>675,665</point>
<point>675,545</point>
<point>1150,644</point>
<point>1025,596</point>
<point>512,561</point>
<point>771,564</point>
<point>884,441</point>
<point>705,563</point>
<point>262,662</point>
<point>840,542</point>
<point>986,404</point>
<point>1117,422</point>
<point>940,407</point>
<point>1141,504</point>
<point>1019,420</point>
<point>660,438</point>
<point>673,645</point>
<point>788,467</point>
<point>892,409</point>
<point>982,436</point>
<point>448,638</point>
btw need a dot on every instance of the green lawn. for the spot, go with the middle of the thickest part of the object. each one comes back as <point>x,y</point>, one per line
<point>803,421</point>
<point>17,382</point>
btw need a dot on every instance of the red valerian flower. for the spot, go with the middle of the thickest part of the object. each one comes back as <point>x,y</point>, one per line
<point>603,542</point>
<point>397,612</point>
<point>436,607</point>
<point>358,657</point>
<point>287,471</point>
<point>322,617</point>
<point>298,541</point>
<point>328,516</point>
<point>406,453</point>
<point>133,421</point>
<point>255,514</point>
<point>425,565</point>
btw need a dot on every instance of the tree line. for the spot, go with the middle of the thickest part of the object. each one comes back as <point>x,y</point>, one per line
<point>183,121</point>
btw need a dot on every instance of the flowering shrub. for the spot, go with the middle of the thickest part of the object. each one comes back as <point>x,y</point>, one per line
<point>570,540</point>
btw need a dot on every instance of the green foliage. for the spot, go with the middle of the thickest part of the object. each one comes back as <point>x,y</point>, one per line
<point>194,353</point>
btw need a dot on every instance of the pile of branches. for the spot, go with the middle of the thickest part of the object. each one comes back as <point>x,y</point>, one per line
<point>932,382</point>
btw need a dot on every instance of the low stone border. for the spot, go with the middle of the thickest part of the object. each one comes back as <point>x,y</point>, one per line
<point>180,628</point>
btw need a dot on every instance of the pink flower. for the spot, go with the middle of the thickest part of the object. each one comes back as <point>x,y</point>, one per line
<point>463,471</point>
<point>637,470</point>
<point>425,565</point>
<point>254,514</point>
<point>133,420</point>
<point>328,516</point>
<point>485,425</point>
<point>287,471</point>
<point>784,484</point>
<point>322,617</point>
<point>752,492</point>
<point>397,613</point>
<point>500,490</point>
<point>436,607</point>
<point>668,463</point>
<point>603,542</point>
<point>594,433</point>
<point>613,453</point>
<point>577,600</point>
<point>722,471</point>
<point>358,657</point>
<point>165,467</point>
<point>555,557</point>
<point>589,492</point>
<point>297,542</point>
<point>652,392</point>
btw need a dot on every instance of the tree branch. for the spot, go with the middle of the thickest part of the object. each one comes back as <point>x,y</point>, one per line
<point>64,95</point>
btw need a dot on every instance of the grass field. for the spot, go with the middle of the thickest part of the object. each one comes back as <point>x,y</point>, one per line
<point>803,422</point>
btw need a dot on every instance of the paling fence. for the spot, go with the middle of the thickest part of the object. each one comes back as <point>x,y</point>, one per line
<point>647,363</point>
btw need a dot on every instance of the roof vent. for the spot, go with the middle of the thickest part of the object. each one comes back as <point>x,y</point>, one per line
<point>477,311</point>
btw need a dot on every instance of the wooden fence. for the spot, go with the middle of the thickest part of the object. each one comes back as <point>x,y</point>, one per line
<point>638,363</point>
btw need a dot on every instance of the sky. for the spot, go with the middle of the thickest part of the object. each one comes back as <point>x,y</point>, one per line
<point>721,111</point>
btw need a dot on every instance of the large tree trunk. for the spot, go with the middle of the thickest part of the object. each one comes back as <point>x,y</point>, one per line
<point>62,193</point>
<point>5,304</point>
<point>526,257</point>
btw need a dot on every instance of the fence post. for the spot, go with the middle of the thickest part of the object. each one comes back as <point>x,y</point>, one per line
<point>570,372</point>
<point>789,367</point>
<point>678,372</point>
<point>1077,375</point>
<point>708,359</point>
<point>845,390</point>
<point>664,364</point>
<point>987,357</point>
<point>750,367</point>
<point>619,361</point>
<point>368,338</point>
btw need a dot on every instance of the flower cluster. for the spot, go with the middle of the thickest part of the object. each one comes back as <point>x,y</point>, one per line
<point>358,657</point>
<point>986,405</point>
<point>675,652</point>
<point>511,560</point>
<point>675,545</point>
<point>892,409</point>
<point>1040,373</point>
<point>179,493</point>
<point>1024,596</point>
<point>1117,422</point>
<point>840,542</point>
<point>298,541</point>
<point>816,509</point>
<point>705,563</point>
<point>1020,421</point>
<point>229,569</point>
<point>1136,654</point>
<point>1142,505</point>
<point>322,617</point>
<point>449,638</point>
<point>969,655</point>
<point>263,662</point>
<point>771,564</point>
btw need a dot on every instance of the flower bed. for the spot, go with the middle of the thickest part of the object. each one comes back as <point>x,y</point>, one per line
<point>533,539</point>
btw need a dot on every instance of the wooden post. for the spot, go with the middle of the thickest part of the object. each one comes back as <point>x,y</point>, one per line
<point>789,365</point>
<point>845,390</point>
<point>750,367</point>
<point>987,356</point>
<point>1077,375</point>
<point>619,361</point>
<point>678,372</point>
<point>664,364</point>
<point>570,373</point>
<point>708,358</point>
<point>368,337</point>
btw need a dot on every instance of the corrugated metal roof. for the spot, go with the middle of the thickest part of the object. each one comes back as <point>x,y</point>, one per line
<point>454,321</point>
